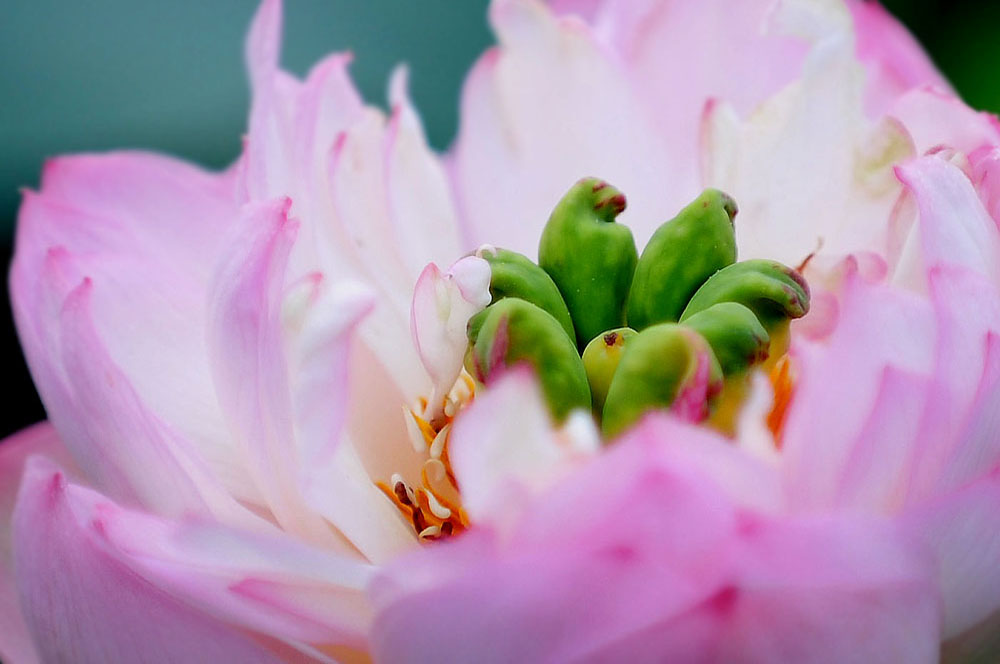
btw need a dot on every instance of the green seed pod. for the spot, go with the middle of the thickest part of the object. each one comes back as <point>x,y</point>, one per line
<point>737,338</point>
<point>589,257</point>
<point>774,292</point>
<point>514,331</point>
<point>680,256</point>
<point>514,275</point>
<point>601,358</point>
<point>664,366</point>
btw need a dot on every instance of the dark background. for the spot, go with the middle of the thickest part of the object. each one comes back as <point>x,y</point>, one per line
<point>169,76</point>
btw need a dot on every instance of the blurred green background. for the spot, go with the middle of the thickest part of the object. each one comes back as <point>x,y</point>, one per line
<point>169,76</point>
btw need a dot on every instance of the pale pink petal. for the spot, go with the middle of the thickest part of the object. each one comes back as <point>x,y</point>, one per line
<point>968,321</point>
<point>82,605</point>
<point>657,37</point>
<point>441,309</point>
<point>497,458</point>
<point>145,230</point>
<point>251,366</point>
<point>40,439</point>
<point>748,480</point>
<point>963,529</point>
<point>771,162</point>
<point>632,559</point>
<point>344,493</point>
<point>935,118</point>
<point>884,339</point>
<point>266,164</point>
<point>985,164</point>
<point>420,201</point>
<point>548,106</point>
<point>356,184</point>
<point>954,227</point>
<point>679,55</point>
<point>894,61</point>
<point>113,435</point>
<point>320,368</point>
<point>979,449</point>
<point>269,584</point>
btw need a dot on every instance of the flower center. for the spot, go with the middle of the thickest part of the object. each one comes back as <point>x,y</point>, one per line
<point>681,327</point>
<point>434,507</point>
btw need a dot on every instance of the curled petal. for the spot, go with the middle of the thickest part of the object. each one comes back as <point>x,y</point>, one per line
<point>144,230</point>
<point>251,364</point>
<point>442,306</point>
<point>954,227</point>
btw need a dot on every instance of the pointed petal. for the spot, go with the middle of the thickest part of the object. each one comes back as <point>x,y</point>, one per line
<point>41,439</point>
<point>145,231</point>
<point>83,605</point>
<point>251,366</point>
<point>420,200</point>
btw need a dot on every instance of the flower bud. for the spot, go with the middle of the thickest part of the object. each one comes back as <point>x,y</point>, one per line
<point>514,331</point>
<point>601,358</point>
<point>737,338</point>
<point>514,275</point>
<point>774,292</point>
<point>680,256</point>
<point>664,366</point>
<point>590,258</point>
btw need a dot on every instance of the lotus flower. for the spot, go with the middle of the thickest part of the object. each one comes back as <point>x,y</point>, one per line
<point>226,474</point>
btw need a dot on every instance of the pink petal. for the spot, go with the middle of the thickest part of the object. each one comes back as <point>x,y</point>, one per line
<point>846,398</point>
<point>83,605</point>
<point>269,584</point>
<point>320,368</point>
<point>145,231</point>
<point>632,559</point>
<point>496,457</point>
<point>545,108</point>
<point>266,172</point>
<point>935,118</point>
<point>949,450</point>
<point>251,367</point>
<point>963,529</point>
<point>768,162</point>
<point>113,435</point>
<point>986,177</point>
<point>740,58</point>
<point>893,59</point>
<point>251,350</point>
<point>40,439</point>
<point>420,200</point>
<point>954,227</point>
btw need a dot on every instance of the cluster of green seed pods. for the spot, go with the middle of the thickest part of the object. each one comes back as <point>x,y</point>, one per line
<point>607,329</point>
